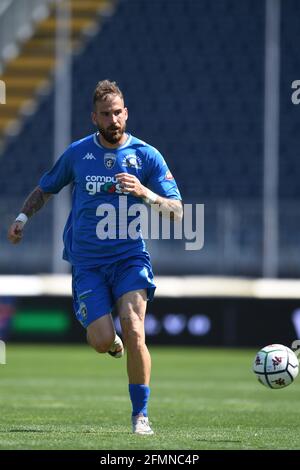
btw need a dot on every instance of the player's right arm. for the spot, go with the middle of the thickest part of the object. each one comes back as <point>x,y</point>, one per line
<point>33,203</point>
<point>60,175</point>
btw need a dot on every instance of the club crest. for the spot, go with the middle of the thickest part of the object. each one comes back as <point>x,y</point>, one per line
<point>109,160</point>
<point>132,161</point>
<point>83,311</point>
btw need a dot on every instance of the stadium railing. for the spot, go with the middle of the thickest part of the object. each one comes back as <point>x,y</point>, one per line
<point>233,234</point>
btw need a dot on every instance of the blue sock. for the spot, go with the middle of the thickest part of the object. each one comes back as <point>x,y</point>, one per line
<point>139,395</point>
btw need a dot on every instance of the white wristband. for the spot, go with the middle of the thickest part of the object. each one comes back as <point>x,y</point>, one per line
<point>22,218</point>
<point>151,197</point>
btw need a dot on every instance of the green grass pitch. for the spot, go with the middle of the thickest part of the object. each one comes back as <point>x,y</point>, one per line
<point>69,397</point>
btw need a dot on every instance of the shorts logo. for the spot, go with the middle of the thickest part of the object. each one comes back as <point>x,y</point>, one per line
<point>109,160</point>
<point>132,161</point>
<point>83,311</point>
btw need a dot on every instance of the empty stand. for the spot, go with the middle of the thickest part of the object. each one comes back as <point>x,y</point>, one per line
<point>193,76</point>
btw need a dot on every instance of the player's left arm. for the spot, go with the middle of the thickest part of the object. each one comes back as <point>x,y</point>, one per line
<point>167,206</point>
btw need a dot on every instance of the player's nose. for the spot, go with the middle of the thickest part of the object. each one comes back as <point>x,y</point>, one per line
<point>114,119</point>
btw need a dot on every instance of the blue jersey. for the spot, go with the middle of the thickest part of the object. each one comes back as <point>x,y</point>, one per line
<point>91,168</point>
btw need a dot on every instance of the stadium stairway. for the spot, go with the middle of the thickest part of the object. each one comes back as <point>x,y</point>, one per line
<point>29,73</point>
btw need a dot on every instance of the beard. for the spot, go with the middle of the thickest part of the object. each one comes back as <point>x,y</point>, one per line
<point>112,134</point>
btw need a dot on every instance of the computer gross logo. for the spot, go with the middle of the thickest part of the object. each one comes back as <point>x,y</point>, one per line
<point>107,184</point>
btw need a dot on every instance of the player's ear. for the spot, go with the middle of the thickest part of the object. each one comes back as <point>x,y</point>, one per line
<point>93,117</point>
<point>126,113</point>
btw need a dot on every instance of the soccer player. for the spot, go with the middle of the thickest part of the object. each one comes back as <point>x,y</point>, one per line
<point>104,168</point>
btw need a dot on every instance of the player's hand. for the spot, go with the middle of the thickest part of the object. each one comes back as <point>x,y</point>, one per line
<point>15,232</point>
<point>131,184</point>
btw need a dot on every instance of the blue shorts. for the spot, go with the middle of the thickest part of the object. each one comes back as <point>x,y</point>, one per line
<point>96,289</point>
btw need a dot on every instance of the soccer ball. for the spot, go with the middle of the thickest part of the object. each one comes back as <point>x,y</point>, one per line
<point>276,366</point>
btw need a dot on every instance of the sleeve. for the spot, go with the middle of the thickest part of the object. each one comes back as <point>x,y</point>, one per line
<point>160,179</point>
<point>60,174</point>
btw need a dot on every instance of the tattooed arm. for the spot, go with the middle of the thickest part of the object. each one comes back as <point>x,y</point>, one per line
<point>171,208</point>
<point>34,202</point>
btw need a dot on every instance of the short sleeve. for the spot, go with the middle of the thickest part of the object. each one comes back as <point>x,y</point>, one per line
<point>160,179</point>
<point>60,175</point>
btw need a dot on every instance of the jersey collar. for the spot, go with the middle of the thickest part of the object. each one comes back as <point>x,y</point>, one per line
<point>96,141</point>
